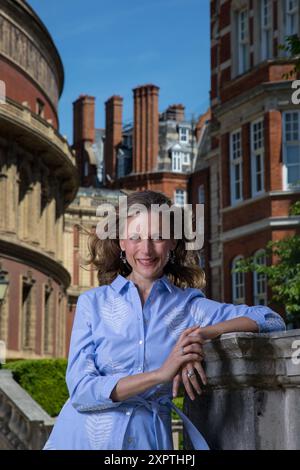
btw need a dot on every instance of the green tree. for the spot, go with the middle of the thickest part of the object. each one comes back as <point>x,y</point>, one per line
<point>292,47</point>
<point>282,271</point>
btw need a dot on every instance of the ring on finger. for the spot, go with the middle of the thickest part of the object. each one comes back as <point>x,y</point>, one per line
<point>190,373</point>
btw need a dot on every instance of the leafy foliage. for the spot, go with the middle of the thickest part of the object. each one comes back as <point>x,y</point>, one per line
<point>44,380</point>
<point>283,276</point>
<point>292,46</point>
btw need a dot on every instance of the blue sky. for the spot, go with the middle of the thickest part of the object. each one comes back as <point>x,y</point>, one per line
<point>111,46</point>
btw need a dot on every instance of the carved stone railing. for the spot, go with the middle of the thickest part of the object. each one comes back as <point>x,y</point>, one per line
<point>23,423</point>
<point>252,399</point>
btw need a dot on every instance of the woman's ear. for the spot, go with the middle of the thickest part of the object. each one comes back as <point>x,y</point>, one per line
<point>122,245</point>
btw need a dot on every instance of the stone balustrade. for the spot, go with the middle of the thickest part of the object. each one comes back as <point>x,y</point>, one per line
<point>24,425</point>
<point>252,399</point>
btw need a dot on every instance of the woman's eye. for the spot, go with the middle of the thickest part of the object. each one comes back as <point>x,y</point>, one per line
<point>134,236</point>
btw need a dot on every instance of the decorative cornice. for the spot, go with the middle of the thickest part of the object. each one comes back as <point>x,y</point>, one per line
<point>35,258</point>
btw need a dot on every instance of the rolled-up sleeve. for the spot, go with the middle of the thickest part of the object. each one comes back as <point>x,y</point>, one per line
<point>88,389</point>
<point>207,312</point>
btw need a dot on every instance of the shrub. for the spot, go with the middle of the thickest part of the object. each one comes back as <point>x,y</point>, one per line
<point>44,380</point>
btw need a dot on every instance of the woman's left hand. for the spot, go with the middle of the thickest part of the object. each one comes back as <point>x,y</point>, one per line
<point>190,383</point>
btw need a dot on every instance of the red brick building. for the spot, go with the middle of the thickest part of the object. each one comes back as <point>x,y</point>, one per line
<point>38,180</point>
<point>248,165</point>
<point>156,151</point>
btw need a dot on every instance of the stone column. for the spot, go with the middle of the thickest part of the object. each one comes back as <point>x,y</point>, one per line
<point>59,224</point>
<point>45,197</point>
<point>35,206</point>
<point>50,217</point>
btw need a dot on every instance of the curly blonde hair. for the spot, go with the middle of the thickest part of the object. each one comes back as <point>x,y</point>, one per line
<point>104,254</point>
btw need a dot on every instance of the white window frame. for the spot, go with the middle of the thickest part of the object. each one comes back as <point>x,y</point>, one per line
<point>176,161</point>
<point>238,283</point>
<point>183,196</point>
<point>266,12</point>
<point>243,40</point>
<point>291,15</point>
<point>236,161</point>
<point>285,144</point>
<point>184,131</point>
<point>186,158</point>
<point>259,294</point>
<point>257,151</point>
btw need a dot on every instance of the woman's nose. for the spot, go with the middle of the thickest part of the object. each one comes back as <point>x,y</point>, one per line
<point>147,245</point>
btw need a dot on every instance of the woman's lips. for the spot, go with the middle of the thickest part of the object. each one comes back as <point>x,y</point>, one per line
<point>147,262</point>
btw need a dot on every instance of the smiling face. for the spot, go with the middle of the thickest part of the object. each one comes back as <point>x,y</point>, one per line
<point>146,251</point>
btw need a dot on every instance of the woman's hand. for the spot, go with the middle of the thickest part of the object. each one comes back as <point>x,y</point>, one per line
<point>189,382</point>
<point>187,349</point>
<point>182,375</point>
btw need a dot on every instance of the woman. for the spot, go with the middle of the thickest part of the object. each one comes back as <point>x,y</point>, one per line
<point>136,335</point>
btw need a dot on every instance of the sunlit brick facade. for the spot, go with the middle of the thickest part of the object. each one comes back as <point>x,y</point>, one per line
<point>249,156</point>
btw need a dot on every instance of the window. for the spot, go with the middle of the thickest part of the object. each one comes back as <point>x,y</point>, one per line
<point>243,41</point>
<point>202,260</point>
<point>236,166</point>
<point>266,25</point>
<point>186,158</point>
<point>238,284</point>
<point>257,157</point>
<point>48,320</point>
<point>40,105</point>
<point>259,280</point>
<point>28,321</point>
<point>180,197</point>
<point>183,134</point>
<point>291,17</point>
<point>291,149</point>
<point>176,161</point>
<point>201,194</point>
<point>86,168</point>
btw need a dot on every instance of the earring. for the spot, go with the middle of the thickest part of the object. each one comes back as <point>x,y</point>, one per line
<point>172,256</point>
<point>123,256</point>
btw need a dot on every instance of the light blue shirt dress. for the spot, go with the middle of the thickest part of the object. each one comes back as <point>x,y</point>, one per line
<point>113,336</point>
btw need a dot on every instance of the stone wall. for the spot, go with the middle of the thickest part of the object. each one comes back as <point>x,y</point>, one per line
<point>24,425</point>
<point>252,400</point>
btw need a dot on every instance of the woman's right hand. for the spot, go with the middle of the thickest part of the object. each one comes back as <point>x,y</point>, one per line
<point>192,352</point>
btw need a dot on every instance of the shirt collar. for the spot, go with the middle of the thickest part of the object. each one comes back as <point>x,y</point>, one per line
<point>120,281</point>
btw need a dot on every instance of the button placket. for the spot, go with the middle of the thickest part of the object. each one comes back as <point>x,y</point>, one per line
<point>140,355</point>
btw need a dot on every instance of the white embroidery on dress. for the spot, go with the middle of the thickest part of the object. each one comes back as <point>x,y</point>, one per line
<point>114,311</point>
<point>197,313</point>
<point>90,367</point>
<point>99,427</point>
<point>114,367</point>
<point>176,321</point>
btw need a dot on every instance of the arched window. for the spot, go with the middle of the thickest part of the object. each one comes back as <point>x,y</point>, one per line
<point>238,283</point>
<point>259,280</point>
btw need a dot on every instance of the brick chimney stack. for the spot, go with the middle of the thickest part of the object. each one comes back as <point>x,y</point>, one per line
<point>84,119</point>
<point>113,135</point>
<point>145,131</point>
<point>83,138</point>
<point>175,112</point>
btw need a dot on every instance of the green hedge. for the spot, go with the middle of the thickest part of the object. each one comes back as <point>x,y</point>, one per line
<point>44,380</point>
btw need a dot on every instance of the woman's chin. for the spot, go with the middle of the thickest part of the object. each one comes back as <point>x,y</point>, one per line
<point>150,269</point>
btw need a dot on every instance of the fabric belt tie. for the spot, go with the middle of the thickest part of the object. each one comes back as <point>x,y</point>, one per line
<point>155,406</point>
